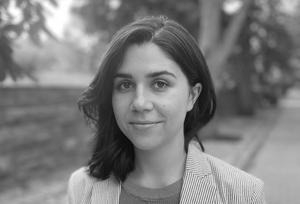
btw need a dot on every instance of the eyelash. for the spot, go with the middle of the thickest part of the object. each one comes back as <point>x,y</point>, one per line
<point>122,83</point>
<point>165,85</point>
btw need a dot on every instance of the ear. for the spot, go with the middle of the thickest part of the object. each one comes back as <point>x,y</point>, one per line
<point>194,94</point>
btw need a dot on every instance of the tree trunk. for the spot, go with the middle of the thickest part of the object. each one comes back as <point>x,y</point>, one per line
<point>245,93</point>
<point>209,33</point>
<point>246,99</point>
<point>216,48</point>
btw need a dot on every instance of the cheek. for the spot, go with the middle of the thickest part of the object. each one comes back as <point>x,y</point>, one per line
<point>121,104</point>
<point>117,108</point>
<point>175,106</point>
<point>114,105</point>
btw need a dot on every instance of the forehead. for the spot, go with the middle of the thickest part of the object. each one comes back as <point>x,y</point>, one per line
<point>147,56</point>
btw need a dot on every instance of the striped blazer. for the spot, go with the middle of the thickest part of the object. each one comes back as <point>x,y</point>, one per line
<point>206,180</point>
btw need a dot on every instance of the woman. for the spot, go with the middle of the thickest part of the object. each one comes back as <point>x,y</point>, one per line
<point>152,94</point>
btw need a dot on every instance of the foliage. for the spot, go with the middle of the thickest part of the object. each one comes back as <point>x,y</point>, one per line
<point>105,16</point>
<point>265,46</point>
<point>32,22</point>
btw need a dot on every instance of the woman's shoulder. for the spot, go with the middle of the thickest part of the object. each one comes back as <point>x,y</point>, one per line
<point>82,185</point>
<point>222,173</point>
<point>231,177</point>
<point>81,177</point>
<point>80,182</point>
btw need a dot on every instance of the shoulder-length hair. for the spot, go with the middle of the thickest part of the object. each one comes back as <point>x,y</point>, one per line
<point>113,153</point>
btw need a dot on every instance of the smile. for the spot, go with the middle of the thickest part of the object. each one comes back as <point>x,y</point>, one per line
<point>143,125</point>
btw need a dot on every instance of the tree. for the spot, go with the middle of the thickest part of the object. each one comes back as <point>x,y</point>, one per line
<point>217,44</point>
<point>276,48</point>
<point>32,22</point>
<point>105,16</point>
<point>231,41</point>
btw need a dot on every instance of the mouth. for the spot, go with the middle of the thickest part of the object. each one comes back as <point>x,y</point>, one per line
<point>143,124</point>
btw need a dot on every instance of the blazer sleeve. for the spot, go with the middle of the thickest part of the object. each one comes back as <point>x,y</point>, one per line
<point>77,186</point>
<point>258,195</point>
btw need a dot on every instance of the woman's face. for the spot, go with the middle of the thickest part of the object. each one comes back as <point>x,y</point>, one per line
<point>151,97</point>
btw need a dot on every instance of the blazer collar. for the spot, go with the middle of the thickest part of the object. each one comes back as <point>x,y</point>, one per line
<point>198,185</point>
<point>196,162</point>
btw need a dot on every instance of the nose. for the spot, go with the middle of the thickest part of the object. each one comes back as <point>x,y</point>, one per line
<point>141,101</point>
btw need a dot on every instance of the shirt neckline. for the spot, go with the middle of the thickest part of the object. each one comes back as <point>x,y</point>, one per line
<point>152,193</point>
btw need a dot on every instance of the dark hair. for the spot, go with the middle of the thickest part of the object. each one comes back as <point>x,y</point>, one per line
<point>113,153</point>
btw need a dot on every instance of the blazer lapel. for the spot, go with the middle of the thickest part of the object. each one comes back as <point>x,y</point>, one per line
<point>106,192</point>
<point>198,185</point>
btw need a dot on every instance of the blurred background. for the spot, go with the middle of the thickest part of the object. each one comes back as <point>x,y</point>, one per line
<point>51,49</point>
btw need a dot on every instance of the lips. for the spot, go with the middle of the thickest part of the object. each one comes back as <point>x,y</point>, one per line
<point>144,124</point>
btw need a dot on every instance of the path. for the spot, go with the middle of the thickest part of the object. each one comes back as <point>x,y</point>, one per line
<point>278,162</point>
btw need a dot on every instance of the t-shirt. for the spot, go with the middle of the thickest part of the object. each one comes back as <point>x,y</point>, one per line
<point>134,194</point>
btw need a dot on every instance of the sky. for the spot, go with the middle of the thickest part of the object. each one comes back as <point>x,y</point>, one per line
<point>290,5</point>
<point>58,17</point>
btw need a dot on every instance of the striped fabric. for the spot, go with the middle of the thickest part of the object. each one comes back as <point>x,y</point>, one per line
<point>206,180</point>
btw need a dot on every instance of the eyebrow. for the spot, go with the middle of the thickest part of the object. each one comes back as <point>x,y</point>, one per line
<point>150,75</point>
<point>156,74</point>
<point>123,75</point>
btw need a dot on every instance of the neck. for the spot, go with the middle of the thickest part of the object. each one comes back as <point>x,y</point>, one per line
<point>158,168</point>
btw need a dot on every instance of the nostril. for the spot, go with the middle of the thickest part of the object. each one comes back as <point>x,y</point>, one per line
<point>140,106</point>
<point>131,107</point>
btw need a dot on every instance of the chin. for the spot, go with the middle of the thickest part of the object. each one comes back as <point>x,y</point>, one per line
<point>146,145</point>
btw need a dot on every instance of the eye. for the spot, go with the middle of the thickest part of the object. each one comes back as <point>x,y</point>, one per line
<point>160,85</point>
<point>124,86</point>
